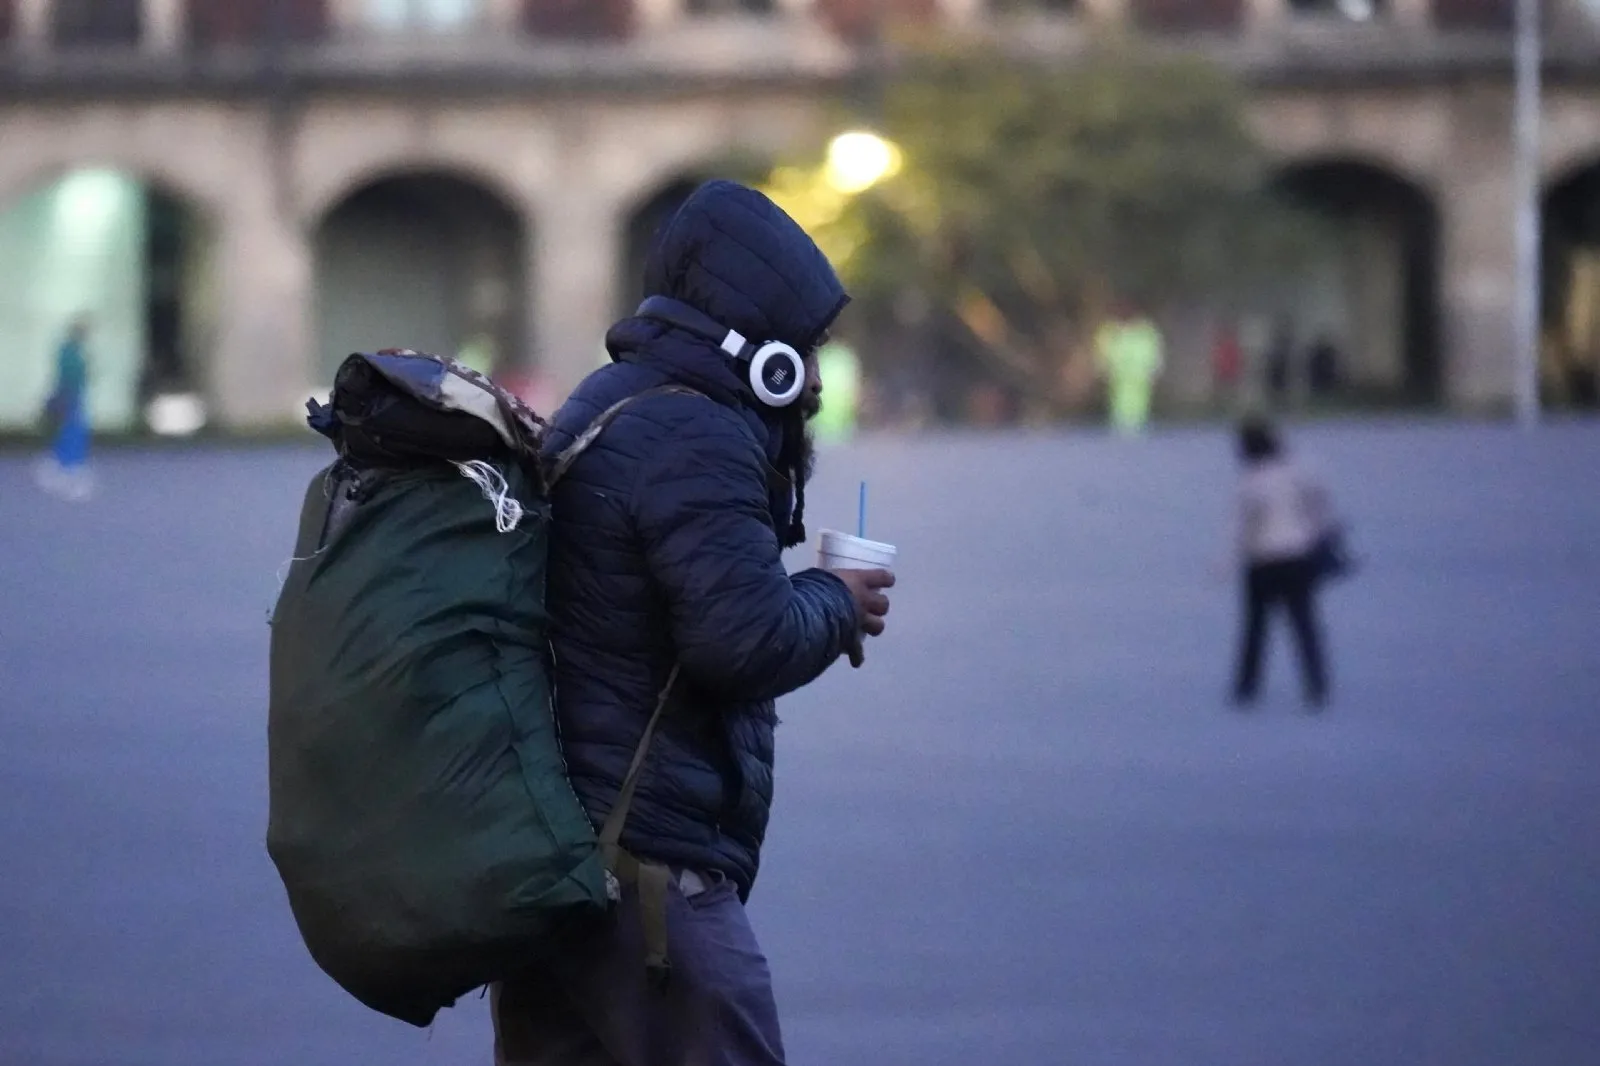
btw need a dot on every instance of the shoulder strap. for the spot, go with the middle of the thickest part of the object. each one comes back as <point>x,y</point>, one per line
<point>652,880</point>
<point>611,832</point>
<point>569,454</point>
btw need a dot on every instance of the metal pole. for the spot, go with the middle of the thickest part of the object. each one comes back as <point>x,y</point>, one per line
<point>1529,57</point>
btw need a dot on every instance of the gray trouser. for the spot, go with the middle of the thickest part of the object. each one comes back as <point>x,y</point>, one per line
<point>596,1006</point>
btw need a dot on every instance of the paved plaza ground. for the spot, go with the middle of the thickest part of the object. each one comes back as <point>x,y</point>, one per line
<point>1029,832</point>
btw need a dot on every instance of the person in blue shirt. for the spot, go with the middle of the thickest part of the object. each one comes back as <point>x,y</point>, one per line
<point>65,471</point>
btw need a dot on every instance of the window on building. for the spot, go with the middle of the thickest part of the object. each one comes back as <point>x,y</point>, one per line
<point>1474,14</point>
<point>730,7</point>
<point>578,20</point>
<point>434,16</point>
<point>255,22</point>
<point>95,22</point>
<point>1049,7</point>
<point>1188,16</point>
<point>1345,10</point>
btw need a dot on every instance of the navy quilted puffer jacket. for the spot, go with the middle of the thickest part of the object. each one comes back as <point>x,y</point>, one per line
<point>666,546</point>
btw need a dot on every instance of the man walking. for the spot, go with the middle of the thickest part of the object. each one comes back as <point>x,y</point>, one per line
<point>666,574</point>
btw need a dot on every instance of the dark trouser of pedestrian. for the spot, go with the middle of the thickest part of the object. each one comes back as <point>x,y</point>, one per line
<point>1293,584</point>
<point>597,1005</point>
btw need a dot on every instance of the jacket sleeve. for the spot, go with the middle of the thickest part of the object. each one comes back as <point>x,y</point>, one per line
<point>742,626</point>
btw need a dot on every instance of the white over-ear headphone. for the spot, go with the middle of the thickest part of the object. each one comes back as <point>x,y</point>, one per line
<point>775,371</point>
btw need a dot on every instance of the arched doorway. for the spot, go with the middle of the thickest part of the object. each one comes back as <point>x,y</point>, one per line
<point>1368,292</point>
<point>655,210</point>
<point>1571,312</point>
<point>644,224</point>
<point>429,261</point>
<point>133,261</point>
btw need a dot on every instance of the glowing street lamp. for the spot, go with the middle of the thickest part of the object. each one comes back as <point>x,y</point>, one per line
<point>858,160</point>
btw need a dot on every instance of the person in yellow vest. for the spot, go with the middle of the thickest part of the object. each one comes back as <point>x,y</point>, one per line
<point>842,406</point>
<point>1129,349</point>
<point>480,352</point>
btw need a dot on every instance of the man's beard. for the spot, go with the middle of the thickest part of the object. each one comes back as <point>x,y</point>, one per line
<point>806,460</point>
<point>802,457</point>
<point>806,456</point>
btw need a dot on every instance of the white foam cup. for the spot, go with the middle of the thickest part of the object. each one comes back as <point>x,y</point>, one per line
<point>841,551</point>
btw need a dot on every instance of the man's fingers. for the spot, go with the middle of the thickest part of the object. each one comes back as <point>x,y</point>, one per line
<point>876,604</point>
<point>879,579</point>
<point>872,626</point>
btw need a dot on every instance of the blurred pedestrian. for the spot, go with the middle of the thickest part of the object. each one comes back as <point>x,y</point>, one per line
<point>64,471</point>
<point>1284,520</point>
<point>1279,356</point>
<point>841,369</point>
<point>1324,367</point>
<point>1227,363</point>
<point>1129,350</point>
<point>480,352</point>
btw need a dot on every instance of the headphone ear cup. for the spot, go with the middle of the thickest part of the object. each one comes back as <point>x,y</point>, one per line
<point>777,374</point>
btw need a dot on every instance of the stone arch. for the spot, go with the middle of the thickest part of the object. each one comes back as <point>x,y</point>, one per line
<point>424,258</point>
<point>1371,288</point>
<point>34,174</point>
<point>1571,284</point>
<point>1570,133</point>
<point>646,214</point>
<point>650,148</point>
<point>327,190</point>
<point>44,144</point>
<point>1411,139</point>
<point>132,252</point>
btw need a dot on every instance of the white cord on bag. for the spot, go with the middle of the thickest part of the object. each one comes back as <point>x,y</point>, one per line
<point>508,513</point>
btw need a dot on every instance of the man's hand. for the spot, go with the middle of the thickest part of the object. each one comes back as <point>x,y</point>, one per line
<point>871,604</point>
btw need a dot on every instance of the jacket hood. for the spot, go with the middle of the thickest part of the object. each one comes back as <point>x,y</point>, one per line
<point>733,254</point>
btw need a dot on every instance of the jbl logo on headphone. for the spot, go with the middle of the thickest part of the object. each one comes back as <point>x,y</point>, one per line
<point>780,377</point>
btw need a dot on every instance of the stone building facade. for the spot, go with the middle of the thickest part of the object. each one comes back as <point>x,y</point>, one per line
<point>265,119</point>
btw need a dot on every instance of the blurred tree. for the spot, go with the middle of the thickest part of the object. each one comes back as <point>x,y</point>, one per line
<point>1029,199</point>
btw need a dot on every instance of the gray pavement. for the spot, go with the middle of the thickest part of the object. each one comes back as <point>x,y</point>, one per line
<point>1028,832</point>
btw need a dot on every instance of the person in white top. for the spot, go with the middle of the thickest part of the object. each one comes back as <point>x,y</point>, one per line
<point>1284,514</point>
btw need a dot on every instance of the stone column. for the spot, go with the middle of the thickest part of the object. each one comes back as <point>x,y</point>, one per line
<point>261,372</point>
<point>1478,267</point>
<point>1413,14</point>
<point>655,14</point>
<point>1265,15</point>
<point>572,280</point>
<point>347,17</point>
<point>962,12</point>
<point>1108,12</point>
<point>33,25</point>
<point>163,25</point>
<point>503,15</point>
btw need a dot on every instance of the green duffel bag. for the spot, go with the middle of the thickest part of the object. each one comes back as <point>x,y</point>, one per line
<point>420,815</point>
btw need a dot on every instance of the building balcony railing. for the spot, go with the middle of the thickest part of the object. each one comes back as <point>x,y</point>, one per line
<point>62,44</point>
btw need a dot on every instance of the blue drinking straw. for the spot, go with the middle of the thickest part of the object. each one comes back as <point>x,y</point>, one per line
<point>861,513</point>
